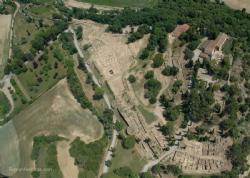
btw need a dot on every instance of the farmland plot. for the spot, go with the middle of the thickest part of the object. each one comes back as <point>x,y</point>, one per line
<point>56,112</point>
<point>5,23</point>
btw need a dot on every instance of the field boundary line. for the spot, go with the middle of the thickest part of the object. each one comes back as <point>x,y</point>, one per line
<point>20,85</point>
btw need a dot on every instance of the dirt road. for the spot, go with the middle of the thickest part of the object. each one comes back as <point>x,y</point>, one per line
<point>108,155</point>
<point>155,162</point>
<point>5,89</point>
<point>65,161</point>
<point>12,27</point>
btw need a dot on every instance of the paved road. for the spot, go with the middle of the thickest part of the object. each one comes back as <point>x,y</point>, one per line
<point>109,153</point>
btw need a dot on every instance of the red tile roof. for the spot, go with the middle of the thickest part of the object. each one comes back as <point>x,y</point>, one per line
<point>210,46</point>
<point>179,30</point>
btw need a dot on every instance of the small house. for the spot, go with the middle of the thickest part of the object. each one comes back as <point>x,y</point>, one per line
<point>210,47</point>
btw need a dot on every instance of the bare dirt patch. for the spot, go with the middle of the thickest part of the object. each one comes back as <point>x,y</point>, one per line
<point>238,4</point>
<point>5,22</point>
<point>84,5</point>
<point>66,162</point>
<point>110,53</point>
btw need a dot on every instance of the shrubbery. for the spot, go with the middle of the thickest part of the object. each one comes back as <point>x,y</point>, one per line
<point>152,87</point>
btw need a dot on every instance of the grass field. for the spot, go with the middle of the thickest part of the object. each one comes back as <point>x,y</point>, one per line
<point>5,22</point>
<point>123,3</point>
<point>9,153</point>
<point>45,156</point>
<point>46,70</point>
<point>148,116</point>
<point>24,32</point>
<point>124,157</point>
<point>51,114</point>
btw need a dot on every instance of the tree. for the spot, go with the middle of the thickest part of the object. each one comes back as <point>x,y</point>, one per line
<point>157,168</point>
<point>176,86</point>
<point>152,87</point>
<point>129,142</point>
<point>131,78</point>
<point>188,54</point>
<point>119,126</point>
<point>168,129</point>
<point>79,32</point>
<point>144,54</point>
<point>108,163</point>
<point>146,175</point>
<point>149,74</point>
<point>172,113</point>
<point>35,174</point>
<point>98,93</point>
<point>174,169</point>
<point>157,61</point>
<point>170,71</point>
<point>125,172</point>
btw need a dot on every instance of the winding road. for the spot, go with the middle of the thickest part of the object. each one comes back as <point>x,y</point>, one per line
<point>108,155</point>
<point>5,82</point>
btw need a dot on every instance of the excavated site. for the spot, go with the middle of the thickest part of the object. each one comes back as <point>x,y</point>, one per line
<point>113,57</point>
<point>201,158</point>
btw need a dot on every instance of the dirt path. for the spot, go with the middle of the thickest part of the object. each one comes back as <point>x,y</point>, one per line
<point>73,3</point>
<point>108,155</point>
<point>66,162</point>
<point>12,28</point>
<point>5,89</point>
<point>155,162</point>
<point>152,163</point>
<point>20,85</point>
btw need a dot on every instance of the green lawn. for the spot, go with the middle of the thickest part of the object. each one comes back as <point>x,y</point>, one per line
<point>40,9</point>
<point>124,157</point>
<point>148,116</point>
<point>124,3</point>
<point>45,11</point>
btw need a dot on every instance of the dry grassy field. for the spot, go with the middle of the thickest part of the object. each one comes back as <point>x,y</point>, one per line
<point>55,112</point>
<point>5,22</point>
<point>238,4</point>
